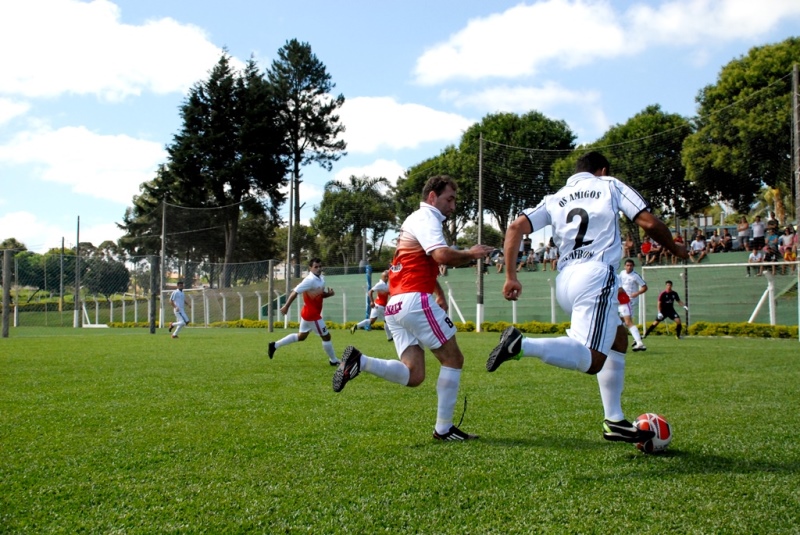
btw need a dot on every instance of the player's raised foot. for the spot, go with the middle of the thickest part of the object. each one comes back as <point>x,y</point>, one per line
<point>639,346</point>
<point>454,434</point>
<point>171,326</point>
<point>348,369</point>
<point>334,362</point>
<point>508,349</point>
<point>353,329</point>
<point>271,349</point>
<point>624,431</point>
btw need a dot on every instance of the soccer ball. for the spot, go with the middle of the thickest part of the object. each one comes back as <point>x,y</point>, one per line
<point>654,422</point>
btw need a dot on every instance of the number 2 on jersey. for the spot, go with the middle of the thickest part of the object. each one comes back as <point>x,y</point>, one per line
<point>582,227</point>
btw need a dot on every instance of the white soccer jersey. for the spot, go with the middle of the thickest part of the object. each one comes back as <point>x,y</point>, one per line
<point>584,218</point>
<point>631,282</point>
<point>310,284</point>
<point>179,298</point>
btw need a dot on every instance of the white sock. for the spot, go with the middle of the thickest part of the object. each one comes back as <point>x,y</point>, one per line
<point>178,326</point>
<point>563,352</point>
<point>447,389</point>
<point>362,324</point>
<point>328,347</point>
<point>611,379</point>
<point>391,370</point>
<point>636,336</point>
<point>286,340</point>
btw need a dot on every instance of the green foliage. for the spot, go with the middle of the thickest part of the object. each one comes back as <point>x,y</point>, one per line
<point>516,183</point>
<point>742,137</point>
<point>106,277</point>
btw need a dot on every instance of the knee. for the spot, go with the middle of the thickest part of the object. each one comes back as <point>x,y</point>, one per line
<point>415,377</point>
<point>598,360</point>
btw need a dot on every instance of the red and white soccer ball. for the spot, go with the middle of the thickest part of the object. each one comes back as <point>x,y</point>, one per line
<point>658,424</point>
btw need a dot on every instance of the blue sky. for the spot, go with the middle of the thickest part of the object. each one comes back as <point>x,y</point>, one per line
<point>90,90</point>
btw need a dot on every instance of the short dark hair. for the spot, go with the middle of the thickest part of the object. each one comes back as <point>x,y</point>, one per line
<point>630,261</point>
<point>592,162</point>
<point>668,282</point>
<point>180,282</point>
<point>313,261</point>
<point>437,184</point>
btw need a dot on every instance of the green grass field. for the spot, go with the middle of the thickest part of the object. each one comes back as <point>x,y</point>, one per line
<point>120,431</point>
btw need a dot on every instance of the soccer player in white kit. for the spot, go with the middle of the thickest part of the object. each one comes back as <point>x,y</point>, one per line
<point>417,309</point>
<point>178,300</point>
<point>378,297</point>
<point>314,291</point>
<point>633,284</point>
<point>584,215</point>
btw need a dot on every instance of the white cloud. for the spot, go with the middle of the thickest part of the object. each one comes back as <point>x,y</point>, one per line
<point>520,40</point>
<point>105,167</point>
<point>388,169</point>
<point>11,108</point>
<point>40,236</point>
<point>69,46</point>
<point>375,123</point>
<point>524,98</point>
<point>567,33</point>
<point>689,22</point>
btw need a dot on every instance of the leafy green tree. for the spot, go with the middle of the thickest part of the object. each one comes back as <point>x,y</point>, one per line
<point>491,236</point>
<point>299,81</point>
<point>450,162</point>
<point>12,243</point>
<point>347,210</point>
<point>517,180</point>
<point>742,138</point>
<point>106,277</point>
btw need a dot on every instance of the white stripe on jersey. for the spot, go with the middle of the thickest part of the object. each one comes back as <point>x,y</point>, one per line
<point>585,218</point>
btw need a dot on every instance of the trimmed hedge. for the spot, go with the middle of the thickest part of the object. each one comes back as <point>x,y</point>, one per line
<point>701,328</point>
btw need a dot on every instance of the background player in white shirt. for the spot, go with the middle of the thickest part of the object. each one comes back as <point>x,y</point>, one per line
<point>633,284</point>
<point>585,219</point>
<point>314,291</point>
<point>378,297</point>
<point>178,300</point>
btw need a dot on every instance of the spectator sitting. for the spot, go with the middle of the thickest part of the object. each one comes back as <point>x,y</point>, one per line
<point>666,255</point>
<point>654,256</point>
<point>714,244</point>
<point>789,251</point>
<point>727,242</point>
<point>697,249</point>
<point>756,257</point>
<point>627,247</point>
<point>645,250</point>
<point>550,256</point>
<point>500,262</point>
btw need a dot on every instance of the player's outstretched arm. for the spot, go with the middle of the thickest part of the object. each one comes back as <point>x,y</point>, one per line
<point>289,301</point>
<point>514,233</point>
<point>453,257</point>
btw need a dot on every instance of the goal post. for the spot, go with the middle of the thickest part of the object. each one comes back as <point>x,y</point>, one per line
<point>735,293</point>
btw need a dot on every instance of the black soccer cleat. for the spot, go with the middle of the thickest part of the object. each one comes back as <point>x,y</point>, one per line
<point>454,434</point>
<point>624,431</point>
<point>353,329</point>
<point>348,369</point>
<point>334,362</point>
<point>271,350</point>
<point>508,349</point>
<point>639,347</point>
<point>171,326</point>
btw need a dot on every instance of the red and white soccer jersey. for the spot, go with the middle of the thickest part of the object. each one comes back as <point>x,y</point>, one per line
<point>631,283</point>
<point>311,287</point>
<point>381,293</point>
<point>413,269</point>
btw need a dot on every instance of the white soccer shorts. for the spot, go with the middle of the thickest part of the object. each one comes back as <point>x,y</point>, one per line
<point>377,312</point>
<point>317,327</point>
<point>416,319</point>
<point>588,292</point>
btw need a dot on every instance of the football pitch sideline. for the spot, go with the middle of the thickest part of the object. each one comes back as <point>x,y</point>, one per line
<point>118,430</point>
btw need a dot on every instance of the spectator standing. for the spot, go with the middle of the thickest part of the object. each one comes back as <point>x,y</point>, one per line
<point>666,309</point>
<point>314,292</point>
<point>417,309</point>
<point>757,231</point>
<point>550,255</point>
<point>743,233</point>
<point>772,223</point>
